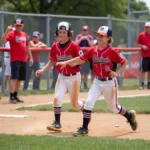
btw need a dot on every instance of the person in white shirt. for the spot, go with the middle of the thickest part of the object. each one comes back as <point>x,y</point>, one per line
<point>7,74</point>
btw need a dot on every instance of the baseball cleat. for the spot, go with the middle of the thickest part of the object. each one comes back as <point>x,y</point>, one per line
<point>81,132</point>
<point>132,121</point>
<point>55,126</point>
<point>18,100</point>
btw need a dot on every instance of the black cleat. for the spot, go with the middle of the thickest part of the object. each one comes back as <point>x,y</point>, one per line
<point>132,121</point>
<point>18,100</point>
<point>55,126</point>
<point>81,132</point>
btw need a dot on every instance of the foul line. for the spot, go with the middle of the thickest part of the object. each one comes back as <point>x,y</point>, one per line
<point>12,116</point>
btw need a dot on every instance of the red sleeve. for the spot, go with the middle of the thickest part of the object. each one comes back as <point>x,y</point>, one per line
<point>118,57</point>
<point>27,40</point>
<point>9,36</point>
<point>87,55</point>
<point>139,39</point>
<point>53,53</point>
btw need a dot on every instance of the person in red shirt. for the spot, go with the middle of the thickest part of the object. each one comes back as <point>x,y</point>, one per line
<point>19,48</point>
<point>143,41</point>
<point>85,40</point>
<point>103,58</point>
<point>69,78</point>
<point>34,43</point>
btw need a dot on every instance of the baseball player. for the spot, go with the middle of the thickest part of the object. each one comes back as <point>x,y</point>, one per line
<point>103,58</point>
<point>69,78</point>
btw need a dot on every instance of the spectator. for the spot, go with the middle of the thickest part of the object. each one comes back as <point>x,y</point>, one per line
<point>19,47</point>
<point>143,41</point>
<point>34,43</point>
<point>7,74</point>
<point>85,40</point>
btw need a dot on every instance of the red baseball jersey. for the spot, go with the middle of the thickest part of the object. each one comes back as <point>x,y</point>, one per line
<point>102,60</point>
<point>18,44</point>
<point>144,39</point>
<point>58,54</point>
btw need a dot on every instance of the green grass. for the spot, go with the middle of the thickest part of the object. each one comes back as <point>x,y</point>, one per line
<point>140,104</point>
<point>128,84</point>
<point>15,142</point>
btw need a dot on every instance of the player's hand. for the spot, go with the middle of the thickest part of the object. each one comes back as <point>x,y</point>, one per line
<point>39,72</point>
<point>62,64</point>
<point>144,47</point>
<point>113,74</point>
<point>30,62</point>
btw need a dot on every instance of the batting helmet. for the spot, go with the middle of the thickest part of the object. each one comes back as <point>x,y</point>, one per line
<point>67,26</point>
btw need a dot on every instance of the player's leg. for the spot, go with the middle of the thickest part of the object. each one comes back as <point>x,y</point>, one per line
<point>93,94</point>
<point>73,87</point>
<point>60,90</point>
<point>110,92</point>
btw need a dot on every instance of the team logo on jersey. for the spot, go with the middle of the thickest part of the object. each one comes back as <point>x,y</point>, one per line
<point>100,60</point>
<point>63,58</point>
<point>107,68</point>
<point>20,39</point>
<point>121,55</point>
<point>81,53</point>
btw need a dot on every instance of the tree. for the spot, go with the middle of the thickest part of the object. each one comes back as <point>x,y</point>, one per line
<point>67,7</point>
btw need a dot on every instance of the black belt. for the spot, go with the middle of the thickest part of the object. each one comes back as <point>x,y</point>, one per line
<point>103,79</point>
<point>6,56</point>
<point>73,74</point>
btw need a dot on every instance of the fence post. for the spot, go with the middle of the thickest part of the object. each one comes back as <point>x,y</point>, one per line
<point>2,56</point>
<point>48,44</point>
<point>109,21</point>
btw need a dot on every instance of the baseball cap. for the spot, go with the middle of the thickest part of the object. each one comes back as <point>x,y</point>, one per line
<point>64,24</point>
<point>85,28</point>
<point>18,21</point>
<point>147,24</point>
<point>105,31</point>
<point>36,33</point>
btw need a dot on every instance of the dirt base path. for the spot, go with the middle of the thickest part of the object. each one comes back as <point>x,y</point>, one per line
<point>102,125</point>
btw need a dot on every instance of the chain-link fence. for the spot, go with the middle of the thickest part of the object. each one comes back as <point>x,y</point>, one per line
<point>125,32</point>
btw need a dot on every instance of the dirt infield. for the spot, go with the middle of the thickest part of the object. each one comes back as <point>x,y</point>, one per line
<point>102,125</point>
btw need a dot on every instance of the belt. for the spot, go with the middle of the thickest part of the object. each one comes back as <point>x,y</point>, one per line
<point>73,74</point>
<point>103,79</point>
<point>6,56</point>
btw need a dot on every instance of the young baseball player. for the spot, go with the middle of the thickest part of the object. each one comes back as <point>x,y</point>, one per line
<point>69,78</point>
<point>104,57</point>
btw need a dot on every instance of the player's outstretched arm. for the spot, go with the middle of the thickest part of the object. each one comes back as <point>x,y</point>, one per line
<point>48,66</point>
<point>71,62</point>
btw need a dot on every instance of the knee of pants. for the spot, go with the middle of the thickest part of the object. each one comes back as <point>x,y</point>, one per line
<point>57,102</point>
<point>88,105</point>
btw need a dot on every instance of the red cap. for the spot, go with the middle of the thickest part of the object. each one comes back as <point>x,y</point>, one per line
<point>85,28</point>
